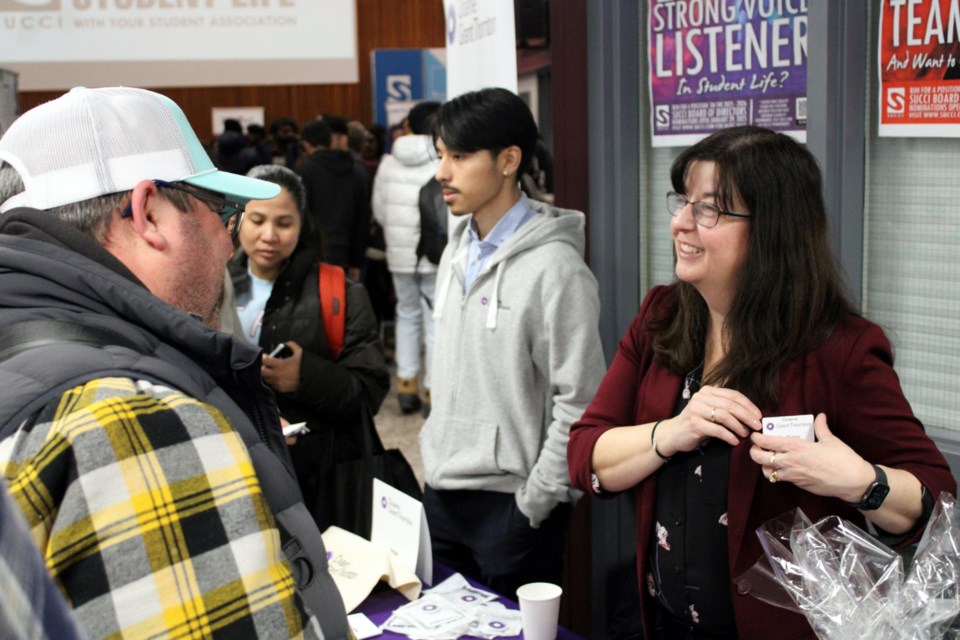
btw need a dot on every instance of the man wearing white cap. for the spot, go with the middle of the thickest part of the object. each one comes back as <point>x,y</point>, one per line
<point>140,442</point>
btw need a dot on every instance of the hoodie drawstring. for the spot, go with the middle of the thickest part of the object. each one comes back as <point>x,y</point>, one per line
<point>440,294</point>
<point>444,290</point>
<point>495,299</point>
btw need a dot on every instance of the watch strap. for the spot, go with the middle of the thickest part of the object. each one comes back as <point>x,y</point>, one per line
<point>876,493</point>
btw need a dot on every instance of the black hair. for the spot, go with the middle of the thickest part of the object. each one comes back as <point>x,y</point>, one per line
<point>279,123</point>
<point>310,235</point>
<point>490,119</point>
<point>337,124</point>
<point>379,135</point>
<point>317,133</point>
<point>232,124</point>
<point>789,295</point>
<point>421,117</point>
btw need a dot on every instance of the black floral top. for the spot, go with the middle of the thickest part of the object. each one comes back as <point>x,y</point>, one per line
<point>688,571</point>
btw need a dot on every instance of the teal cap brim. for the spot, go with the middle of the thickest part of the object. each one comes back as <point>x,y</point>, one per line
<point>236,187</point>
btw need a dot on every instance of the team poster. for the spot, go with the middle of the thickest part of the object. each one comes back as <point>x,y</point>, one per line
<point>919,66</point>
<point>720,63</point>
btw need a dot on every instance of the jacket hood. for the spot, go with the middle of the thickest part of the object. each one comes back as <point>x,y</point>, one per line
<point>337,161</point>
<point>80,281</point>
<point>550,224</point>
<point>413,150</point>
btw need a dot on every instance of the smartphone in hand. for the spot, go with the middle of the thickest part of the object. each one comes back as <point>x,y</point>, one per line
<point>281,351</point>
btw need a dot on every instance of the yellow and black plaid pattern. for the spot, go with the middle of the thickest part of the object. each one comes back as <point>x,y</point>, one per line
<point>150,516</point>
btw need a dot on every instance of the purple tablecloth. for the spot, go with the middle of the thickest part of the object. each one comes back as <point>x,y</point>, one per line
<point>379,606</point>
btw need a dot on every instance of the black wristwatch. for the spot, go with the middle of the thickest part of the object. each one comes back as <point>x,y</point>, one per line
<point>876,493</point>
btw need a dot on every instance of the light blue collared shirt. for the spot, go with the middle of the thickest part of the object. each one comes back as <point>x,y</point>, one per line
<point>479,251</point>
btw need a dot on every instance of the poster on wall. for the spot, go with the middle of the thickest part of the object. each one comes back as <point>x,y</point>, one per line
<point>721,63</point>
<point>481,45</point>
<point>244,115</point>
<point>59,44</point>
<point>919,68</point>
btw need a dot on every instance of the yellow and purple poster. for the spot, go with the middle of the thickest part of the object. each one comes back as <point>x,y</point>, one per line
<point>919,67</point>
<point>721,63</point>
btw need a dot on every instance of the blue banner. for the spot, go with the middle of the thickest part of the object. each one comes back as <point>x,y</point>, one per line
<point>397,76</point>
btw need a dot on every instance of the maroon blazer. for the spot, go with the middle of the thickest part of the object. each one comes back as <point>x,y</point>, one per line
<point>850,378</point>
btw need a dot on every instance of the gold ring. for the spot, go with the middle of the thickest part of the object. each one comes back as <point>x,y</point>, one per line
<point>713,414</point>
<point>774,476</point>
<point>773,460</point>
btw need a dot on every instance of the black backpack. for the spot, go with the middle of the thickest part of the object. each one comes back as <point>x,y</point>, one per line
<point>433,222</point>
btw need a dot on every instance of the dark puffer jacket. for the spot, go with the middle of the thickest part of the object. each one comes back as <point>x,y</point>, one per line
<point>338,198</point>
<point>331,391</point>
<point>51,271</point>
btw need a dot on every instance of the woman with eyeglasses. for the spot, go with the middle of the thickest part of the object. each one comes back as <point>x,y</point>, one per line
<point>756,326</point>
<point>275,277</point>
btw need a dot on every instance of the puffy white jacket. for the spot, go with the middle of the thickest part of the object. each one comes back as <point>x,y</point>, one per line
<point>396,200</point>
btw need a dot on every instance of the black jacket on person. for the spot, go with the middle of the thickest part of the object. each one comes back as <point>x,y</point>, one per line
<point>331,391</point>
<point>51,271</point>
<point>233,154</point>
<point>338,198</point>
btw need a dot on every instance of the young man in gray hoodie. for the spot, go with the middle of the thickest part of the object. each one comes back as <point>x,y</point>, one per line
<point>517,353</point>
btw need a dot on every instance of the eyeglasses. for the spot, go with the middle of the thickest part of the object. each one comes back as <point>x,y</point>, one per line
<point>231,213</point>
<point>704,213</point>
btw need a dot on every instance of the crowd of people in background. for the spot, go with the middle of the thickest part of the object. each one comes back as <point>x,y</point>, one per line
<point>165,313</point>
<point>339,161</point>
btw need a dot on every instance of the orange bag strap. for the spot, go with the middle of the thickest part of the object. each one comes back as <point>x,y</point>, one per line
<point>333,302</point>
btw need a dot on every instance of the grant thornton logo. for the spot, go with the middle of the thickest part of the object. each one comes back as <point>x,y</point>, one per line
<point>451,23</point>
<point>29,5</point>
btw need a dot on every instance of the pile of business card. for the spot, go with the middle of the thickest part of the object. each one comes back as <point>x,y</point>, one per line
<point>452,609</point>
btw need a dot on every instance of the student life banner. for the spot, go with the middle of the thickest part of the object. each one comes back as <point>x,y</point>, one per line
<point>58,44</point>
<point>721,63</point>
<point>919,68</point>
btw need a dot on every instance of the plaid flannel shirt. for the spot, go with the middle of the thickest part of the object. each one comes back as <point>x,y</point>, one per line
<point>30,604</point>
<point>147,508</point>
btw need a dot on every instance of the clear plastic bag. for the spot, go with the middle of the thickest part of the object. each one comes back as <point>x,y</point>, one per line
<point>850,586</point>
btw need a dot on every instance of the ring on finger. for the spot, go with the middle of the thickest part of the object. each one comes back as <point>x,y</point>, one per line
<point>773,460</point>
<point>775,476</point>
<point>713,414</point>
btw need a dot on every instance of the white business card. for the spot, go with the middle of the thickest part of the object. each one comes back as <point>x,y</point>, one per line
<point>295,429</point>
<point>789,426</point>
<point>362,626</point>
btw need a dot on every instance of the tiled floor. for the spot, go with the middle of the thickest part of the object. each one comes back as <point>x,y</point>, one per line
<point>398,430</point>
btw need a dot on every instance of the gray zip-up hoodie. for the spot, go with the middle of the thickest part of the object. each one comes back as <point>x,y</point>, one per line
<point>517,358</point>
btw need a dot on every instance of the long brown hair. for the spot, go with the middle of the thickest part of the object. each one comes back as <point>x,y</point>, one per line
<point>789,295</point>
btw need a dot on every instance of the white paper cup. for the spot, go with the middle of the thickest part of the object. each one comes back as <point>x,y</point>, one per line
<point>539,610</point>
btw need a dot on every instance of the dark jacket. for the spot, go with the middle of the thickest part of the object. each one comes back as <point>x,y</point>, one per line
<point>850,378</point>
<point>338,198</point>
<point>234,154</point>
<point>49,270</point>
<point>331,392</point>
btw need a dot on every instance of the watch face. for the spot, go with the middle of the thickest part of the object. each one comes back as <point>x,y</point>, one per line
<point>878,493</point>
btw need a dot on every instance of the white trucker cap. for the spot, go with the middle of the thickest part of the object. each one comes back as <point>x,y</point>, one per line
<point>93,142</point>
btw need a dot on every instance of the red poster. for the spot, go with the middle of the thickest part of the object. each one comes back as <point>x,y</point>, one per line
<point>919,49</point>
